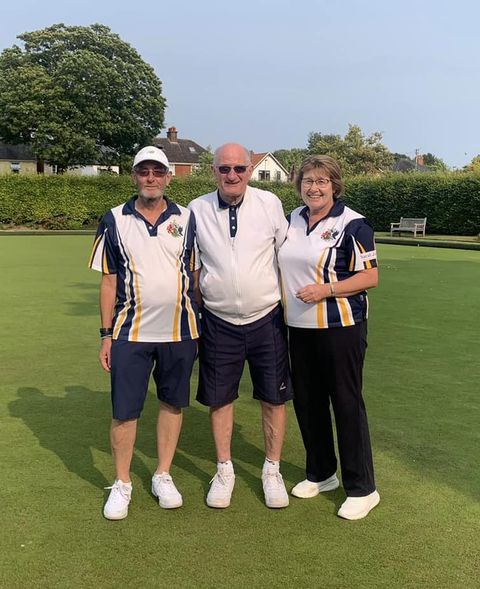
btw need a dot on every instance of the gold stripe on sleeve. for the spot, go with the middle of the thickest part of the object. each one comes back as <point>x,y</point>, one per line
<point>105,269</point>
<point>366,263</point>
<point>94,250</point>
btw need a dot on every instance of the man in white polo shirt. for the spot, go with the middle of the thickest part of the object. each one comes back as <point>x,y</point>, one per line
<point>149,321</point>
<point>239,231</point>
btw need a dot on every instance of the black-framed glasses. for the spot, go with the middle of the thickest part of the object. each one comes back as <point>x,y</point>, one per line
<point>228,169</point>
<point>157,172</point>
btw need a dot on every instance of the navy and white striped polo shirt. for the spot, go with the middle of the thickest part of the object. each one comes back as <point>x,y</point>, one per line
<point>334,249</point>
<point>153,264</point>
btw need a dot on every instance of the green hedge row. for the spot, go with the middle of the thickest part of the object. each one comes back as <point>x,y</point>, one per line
<point>451,202</point>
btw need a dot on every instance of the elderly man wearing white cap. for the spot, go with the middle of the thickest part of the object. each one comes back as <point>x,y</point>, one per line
<point>149,321</point>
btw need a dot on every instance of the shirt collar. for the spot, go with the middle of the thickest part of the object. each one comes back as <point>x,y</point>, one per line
<point>225,205</point>
<point>172,209</point>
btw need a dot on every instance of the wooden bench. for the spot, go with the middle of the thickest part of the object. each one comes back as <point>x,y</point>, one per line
<point>409,224</point>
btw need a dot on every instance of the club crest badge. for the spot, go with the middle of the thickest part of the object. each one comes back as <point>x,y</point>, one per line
<point>175,229</point>
<point>329,234</point>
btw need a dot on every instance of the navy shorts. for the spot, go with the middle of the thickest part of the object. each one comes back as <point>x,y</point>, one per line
<point>132,365</point>
<point>225,347</point>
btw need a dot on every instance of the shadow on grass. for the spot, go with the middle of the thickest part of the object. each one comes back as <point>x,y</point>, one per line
<point>76,424</point>
<point>71,426</point>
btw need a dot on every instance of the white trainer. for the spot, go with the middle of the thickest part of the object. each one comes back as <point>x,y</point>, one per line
<point>276,495</point>
<point>165,490</point>
<point>358,507</point>
<point>116,506</point>
<point>221,487</point>
<point>307,489</point>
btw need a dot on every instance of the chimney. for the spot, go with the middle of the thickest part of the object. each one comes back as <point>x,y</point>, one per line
<point>419,160</point>
<point>172,134</point>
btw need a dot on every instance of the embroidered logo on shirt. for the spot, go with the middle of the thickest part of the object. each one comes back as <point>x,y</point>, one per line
<point>175,229</point>
<point>329,234</point>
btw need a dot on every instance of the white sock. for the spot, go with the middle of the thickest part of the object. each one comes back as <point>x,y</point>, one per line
<point>271,464</point>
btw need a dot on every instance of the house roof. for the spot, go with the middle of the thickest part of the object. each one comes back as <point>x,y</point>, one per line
<point>16,152</point>
<point>181,151</point>
<point>23,152</point>
<point>257,159</point>
<point>408,165</point>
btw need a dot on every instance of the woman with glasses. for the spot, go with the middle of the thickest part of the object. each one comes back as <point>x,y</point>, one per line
<point>327,263</point>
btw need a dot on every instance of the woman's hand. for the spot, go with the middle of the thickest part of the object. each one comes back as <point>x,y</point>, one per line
<point>313,293</point>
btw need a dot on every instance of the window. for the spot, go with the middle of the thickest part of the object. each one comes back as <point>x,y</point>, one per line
<point>278,176</point>
<point>192,149</point>
<point>264,175</point>
<point>15,167</point>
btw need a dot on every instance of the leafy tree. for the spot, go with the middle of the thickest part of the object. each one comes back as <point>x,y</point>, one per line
<point>434,163</point>
<point>78,95</point>
<point>356,153</point>
<point>474,165</point>
<point>290,158</point>
<point>204,168</point>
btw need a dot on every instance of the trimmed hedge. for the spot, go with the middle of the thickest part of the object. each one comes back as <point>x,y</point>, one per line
<point>451,202</point>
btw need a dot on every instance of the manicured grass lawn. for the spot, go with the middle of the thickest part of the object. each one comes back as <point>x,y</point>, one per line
<point>421,386</point>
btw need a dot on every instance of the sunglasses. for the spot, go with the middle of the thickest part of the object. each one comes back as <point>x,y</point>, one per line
<point>236,169</point>
<point>157,172</point>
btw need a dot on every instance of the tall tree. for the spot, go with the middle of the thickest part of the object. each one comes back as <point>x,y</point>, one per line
<point>290,158</point>
<point>356,152</point>
<point>77,94</point>
<point>434,163</point>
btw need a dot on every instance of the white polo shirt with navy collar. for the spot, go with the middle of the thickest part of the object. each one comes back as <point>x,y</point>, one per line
<point>237,254</point>
<point>332,250</point>
<point>153,265</point>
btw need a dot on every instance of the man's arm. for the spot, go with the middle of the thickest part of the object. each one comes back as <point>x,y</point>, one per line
<point>281,226</point>
<point>108,297</point>
<point>197,295</point>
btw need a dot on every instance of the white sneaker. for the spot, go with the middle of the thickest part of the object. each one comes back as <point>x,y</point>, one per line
<point>358,507</point>
<point>165,490</point>
<point>276,495</point>
<point>116,506</point>
<point>221,487</point>
<point>307,489</point>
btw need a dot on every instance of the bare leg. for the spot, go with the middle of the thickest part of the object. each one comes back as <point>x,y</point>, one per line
<point>274,421</point>
<point>221,419</point>
<point>122,438</point>
<point>169,424</point>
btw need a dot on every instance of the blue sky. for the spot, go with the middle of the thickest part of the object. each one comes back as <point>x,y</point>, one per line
<point>267,73</point>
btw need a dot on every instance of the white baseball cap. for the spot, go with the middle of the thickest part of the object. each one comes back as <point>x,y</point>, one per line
<point>153,154</point>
